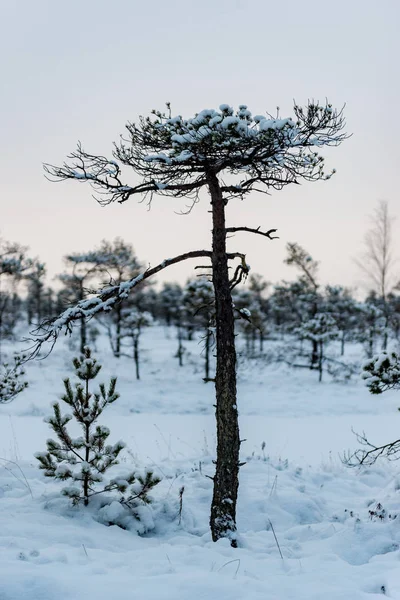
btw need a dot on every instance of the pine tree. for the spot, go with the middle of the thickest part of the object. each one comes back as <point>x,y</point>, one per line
<point>251,318</point>
<point>83,269</point>
<point>36,292</point>
<point>339,303</point>
<point>320,329</point>
<point>198,301</point>
<point>133,321</point>
<point>258,287</point>
<point>229,154</point>
<point>171,311</point>
<point>371,324</point>
<point>169,304</point>
<point>85,459</point>
<point>299,258</point>
<point>119,263</point>
<point>13,265</point>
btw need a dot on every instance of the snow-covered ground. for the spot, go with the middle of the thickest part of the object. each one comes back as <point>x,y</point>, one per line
<point>305,531</point>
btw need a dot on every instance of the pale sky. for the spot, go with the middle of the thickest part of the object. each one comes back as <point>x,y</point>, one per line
<point>78,70</point>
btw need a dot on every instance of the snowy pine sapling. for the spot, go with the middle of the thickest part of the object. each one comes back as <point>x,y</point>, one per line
<point>86,459</point>
<point>11,380</point>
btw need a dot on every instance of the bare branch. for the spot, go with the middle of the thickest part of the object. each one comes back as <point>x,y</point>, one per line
<point>238,276</point>
<point>252,230</point>
<point>366,458</point>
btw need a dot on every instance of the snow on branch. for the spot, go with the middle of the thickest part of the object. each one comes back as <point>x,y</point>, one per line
<point>171,155</point>
<point>104,176</point>
<point>103,301</point>
<point>382,372</point>
<point>107,298</point>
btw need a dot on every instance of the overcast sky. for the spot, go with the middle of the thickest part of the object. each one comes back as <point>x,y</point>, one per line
<point>78,70</point>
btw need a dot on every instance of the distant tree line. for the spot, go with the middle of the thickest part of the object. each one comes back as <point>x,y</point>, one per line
<point>303,311</point>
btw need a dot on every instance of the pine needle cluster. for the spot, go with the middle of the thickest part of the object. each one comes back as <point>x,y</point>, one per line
<point>11,380</point>
<point>382,372</point>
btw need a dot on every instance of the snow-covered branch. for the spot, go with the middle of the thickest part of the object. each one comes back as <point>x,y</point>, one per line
<point>105,300</point>
<point>382,372</point>
<point>171,155</point>
<point>108,297</point>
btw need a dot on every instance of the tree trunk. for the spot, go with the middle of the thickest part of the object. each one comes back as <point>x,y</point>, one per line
<point>118,332</point>
<point>226,479</point>
<point>321,359</point>
<point>247,335</point>
<point>136,354</point>
<point>314,354</point>
<point>385,332</point>
<point>1,323</point>
<point>87,449</point>
<point>83,335</point>
<point>207,355</point>
<point>83,322</point>
<point>179,353</point>
<point>30,313</point>
<point>342,343</point>
<point>370,351</point>
<point>253,342</point>
<point>39,302</point>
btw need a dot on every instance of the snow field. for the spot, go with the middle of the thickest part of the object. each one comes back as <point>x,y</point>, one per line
<point>295,496</point>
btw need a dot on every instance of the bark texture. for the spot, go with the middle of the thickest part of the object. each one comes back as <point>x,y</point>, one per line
<point>226,479</point>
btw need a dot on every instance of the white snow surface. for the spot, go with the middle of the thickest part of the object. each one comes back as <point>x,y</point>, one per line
<point>294,487</point>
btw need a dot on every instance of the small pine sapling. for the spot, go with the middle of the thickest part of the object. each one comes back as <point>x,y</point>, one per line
<point>85,459</point>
